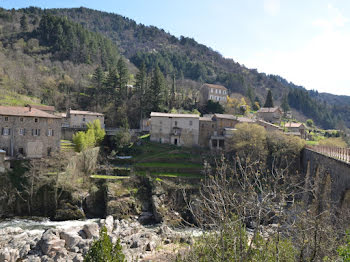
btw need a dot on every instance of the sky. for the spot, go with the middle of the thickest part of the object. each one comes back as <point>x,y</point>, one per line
<point>305,41</point>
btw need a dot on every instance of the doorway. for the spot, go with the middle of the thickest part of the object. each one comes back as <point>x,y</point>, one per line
<point>175,141</point>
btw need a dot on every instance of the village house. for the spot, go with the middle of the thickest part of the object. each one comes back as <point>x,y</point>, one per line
<point>79,119</point>
<point>216,93</point>
<point>270,114</point>
<point>29,132</point>
<point>297,129</point>
<point>176,129</point>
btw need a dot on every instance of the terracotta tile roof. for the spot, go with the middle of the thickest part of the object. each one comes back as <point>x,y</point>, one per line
<point>205,119</point>
<point>174,115</point>
<point>215,86</point>
<point>42,107</point>
<point>291,125</point>
<point>267,123</point>
<point>24,111</point>
<point>243,119</point>
<point>225,116</point>
<point>79,112</point>
<point>268,109</point>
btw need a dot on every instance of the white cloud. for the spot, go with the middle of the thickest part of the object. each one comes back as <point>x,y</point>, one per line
<point>272,7</point>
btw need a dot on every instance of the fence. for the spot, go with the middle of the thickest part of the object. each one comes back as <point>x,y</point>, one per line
<point>339,153</point>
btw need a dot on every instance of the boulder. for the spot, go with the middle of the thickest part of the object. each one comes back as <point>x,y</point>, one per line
<point>71,239</point>
<point>91,230</point>
<point>109,223</point>
<point>146,218</point>
<point>50,243</point>
<point>156,205</point>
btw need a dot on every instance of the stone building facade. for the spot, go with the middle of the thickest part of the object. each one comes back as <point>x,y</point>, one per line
<point>79,119</point>
<point>29,132</point>
<point>176,129</point>
<point>216,93</point>
<point>270,114</point>
<point>298,129</point>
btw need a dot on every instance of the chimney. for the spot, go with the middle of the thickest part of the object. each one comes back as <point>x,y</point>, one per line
<point>30,107</point>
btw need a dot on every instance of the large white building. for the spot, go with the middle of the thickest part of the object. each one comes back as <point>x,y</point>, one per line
<point>176,129</point>
<point>216,93</point>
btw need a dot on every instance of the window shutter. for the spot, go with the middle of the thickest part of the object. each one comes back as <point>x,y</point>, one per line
<point>24,131</point>
<point>9,131</point>
<point>52,132</point>
<point>2,131</point>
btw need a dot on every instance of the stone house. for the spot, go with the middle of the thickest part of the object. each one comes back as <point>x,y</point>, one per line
<point>216,93</point>
<point>79,119</point>
<point>298,129</point>
<point>29,132</point>
<point>270,114</point>
<point>207,127</point>
<point>176,129</point>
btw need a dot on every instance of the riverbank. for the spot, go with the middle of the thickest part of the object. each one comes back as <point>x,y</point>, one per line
<point>42,240</point>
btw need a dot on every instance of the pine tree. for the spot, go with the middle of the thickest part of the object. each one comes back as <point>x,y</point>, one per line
<point>140,85</point>
<point>98,80</point>
<point>24,23</point>
<point>269,99</point>
<point>123,78</point>
<point>157,90</point>
<point>285,106</point>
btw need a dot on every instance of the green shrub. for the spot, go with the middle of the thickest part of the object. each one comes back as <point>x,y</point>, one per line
<point>102,250</point>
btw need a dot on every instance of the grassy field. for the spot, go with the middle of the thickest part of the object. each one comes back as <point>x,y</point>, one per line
<point>169,165</point>
<point>9,98</point>
<point>109,177</point>
<point>163,174</point>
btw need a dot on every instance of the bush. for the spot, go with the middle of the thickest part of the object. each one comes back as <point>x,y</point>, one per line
<point>102,250</point>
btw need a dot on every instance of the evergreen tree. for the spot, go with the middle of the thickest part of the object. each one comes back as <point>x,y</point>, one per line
<point>98,80</point>
<point>285,106</point>
<point>123,78</point>
<point>269,99</point>
<point>140,85</point>
<point>24,23</point>
<point>157,90</point>
<point>103,250</point>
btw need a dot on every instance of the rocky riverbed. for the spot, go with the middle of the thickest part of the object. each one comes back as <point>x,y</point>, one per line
<point>44,240</point>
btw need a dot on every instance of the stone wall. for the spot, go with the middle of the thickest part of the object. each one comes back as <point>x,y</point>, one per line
<point>30,136</point>
<point>316,164</point>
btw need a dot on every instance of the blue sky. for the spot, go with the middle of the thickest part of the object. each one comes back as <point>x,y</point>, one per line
<point>305,41</point>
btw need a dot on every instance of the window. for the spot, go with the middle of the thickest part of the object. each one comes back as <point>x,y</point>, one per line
<point>160,122</point>
<point>220,91</point>
<point>21,119</point>
<point>6,131</point>
<point>84,119</point>
<point>175,123</point>
<point>49,150</point>
<point>160,129</point>
<point>211,90</point>
<point>6,118</point>
<point>35,132</point>
<point>22,131</point>
<point>36,120</point>
<point>191,122</point>
<point>21,150</point>
<point>216,91</point>
<point>50,132</point>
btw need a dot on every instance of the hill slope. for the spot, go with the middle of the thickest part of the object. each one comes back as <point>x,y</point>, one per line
<point>182,57</point>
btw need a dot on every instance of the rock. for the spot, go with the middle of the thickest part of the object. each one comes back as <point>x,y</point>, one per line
<point>109,223</point>
<point>71,239</point>
<point>50,243</point>
<point>91,230</point>
<point>24,250</point>
<point>156,204</point>
<point>151,246</point>
<point>146,218</point>
<point>78,258</point>
<point>68,212</point>
<point>9,255</point>
<point>167,241</point>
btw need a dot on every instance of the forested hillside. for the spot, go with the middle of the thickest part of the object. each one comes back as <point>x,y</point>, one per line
<point>73,43</point>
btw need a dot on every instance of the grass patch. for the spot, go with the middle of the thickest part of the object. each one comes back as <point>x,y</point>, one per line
<point>144,136</point>
<point>169,165</point>
<point>312,143</point>
<point>166,174</point>
<point>108,177</point>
